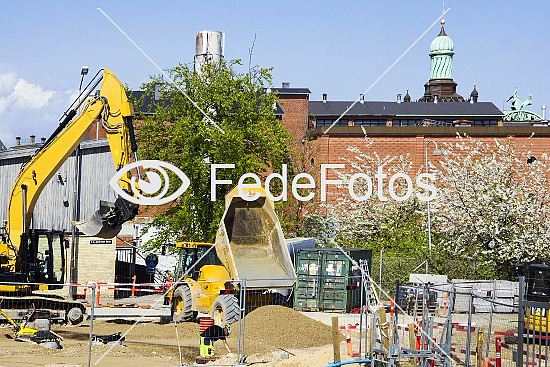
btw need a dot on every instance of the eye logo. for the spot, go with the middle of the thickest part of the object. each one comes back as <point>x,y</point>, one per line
<point>151,169</point>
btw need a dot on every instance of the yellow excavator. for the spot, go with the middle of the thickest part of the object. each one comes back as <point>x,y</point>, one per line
<point>34,259</point>
<point>250,258</point>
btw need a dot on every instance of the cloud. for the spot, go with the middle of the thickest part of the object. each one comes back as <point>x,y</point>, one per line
<point>27,108</point>
<point>71,95</point>
<point>27,95</point>
<point>7,82</point>
<point>6,138</point>
<point>4,104</point>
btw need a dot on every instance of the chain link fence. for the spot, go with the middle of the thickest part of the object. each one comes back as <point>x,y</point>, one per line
<point>460,323</point>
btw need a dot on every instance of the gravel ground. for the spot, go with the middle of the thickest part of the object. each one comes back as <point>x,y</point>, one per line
<point>267,329</point>
<point>270,328</point>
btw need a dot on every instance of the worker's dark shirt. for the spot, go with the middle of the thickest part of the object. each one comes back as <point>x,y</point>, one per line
<point>214,333</point>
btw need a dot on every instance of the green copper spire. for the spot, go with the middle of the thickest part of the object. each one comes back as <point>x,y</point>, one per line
<point>441,54</point>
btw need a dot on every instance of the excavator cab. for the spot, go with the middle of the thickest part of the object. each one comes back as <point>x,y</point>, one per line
<point>45,255</point>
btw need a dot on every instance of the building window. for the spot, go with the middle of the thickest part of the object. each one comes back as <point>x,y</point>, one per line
<point>406,122</point>
<point>329,122</point>
<point>485,123</point>
<point>370,122</point>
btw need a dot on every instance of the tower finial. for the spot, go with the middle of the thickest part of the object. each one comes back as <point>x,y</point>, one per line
<point>443,14</point>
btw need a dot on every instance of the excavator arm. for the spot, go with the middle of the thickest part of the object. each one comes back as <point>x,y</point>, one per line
<point>112,109</point>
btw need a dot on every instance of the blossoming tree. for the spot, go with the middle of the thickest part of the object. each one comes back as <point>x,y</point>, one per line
<point>492,202</point>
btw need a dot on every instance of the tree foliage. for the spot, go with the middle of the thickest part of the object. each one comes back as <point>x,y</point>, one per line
<point>398,226</point>
<point>491,210</point>
<point>178,132</point>
<point>492,204</point>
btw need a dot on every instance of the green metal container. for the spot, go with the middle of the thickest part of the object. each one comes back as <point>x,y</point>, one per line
<point>327,280</point>
<point>306,290</point>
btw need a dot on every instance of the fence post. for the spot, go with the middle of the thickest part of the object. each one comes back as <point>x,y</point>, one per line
<point>490,329</point>
<point>361,289</point>
<point>479,347</point>
<point>369,336</point>
<point>372,333</point>
<point>384,329</point>
<point>242,304</point>
<point>91,326</point>
<point>448,329</point>
<point>412,339</point>
<point>241,313</point>
<point>521,322</point>
<point>134,285</point>
<point>335,339</point>
<point>498,362</point>
<point>469,332</point>
<point>423,338</point>
<point>430,344</point>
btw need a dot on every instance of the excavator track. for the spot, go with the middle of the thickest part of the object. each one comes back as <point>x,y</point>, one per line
<point>63,311</point>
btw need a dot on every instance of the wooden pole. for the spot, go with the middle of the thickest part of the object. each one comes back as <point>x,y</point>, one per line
<point>336,339</point>
<point>479,349</point>
<point>384,328</point>
<point>412,339</point>
<point>371,335</point>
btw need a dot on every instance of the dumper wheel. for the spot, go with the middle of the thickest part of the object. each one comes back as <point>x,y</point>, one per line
<point>182,304</point>
<point>225,309</point>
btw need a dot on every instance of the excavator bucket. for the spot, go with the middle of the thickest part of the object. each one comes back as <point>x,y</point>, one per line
<point>98,225</point>
<point>250,242</point>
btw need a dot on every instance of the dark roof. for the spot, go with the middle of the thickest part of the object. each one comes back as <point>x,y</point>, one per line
<point>291,90</point>
<point>420,109</point>
<point>442,32</point>
<point>2,146</point>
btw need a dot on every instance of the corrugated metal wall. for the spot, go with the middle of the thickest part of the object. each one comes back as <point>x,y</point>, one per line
<point>54,208</point>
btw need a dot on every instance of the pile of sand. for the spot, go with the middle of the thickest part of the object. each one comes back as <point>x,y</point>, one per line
<point>272,328</point>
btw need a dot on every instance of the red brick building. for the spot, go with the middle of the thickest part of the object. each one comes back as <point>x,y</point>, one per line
<point>404,126</point>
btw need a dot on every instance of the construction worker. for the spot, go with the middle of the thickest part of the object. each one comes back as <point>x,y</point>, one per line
<point>210,335</point>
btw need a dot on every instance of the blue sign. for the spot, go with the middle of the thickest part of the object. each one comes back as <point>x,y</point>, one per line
<point>151,261</point>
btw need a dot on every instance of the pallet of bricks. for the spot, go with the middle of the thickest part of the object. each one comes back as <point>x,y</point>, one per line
<point>505,295</point>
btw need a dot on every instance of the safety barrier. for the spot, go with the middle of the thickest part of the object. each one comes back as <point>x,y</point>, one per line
<point>363,334</point>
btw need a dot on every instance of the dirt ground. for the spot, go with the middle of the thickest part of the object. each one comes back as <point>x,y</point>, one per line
<point>268,329</point>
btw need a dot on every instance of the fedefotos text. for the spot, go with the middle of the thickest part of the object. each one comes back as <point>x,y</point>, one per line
<point>305,181</point>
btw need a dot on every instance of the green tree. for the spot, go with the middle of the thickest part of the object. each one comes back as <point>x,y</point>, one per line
<point>253,140</point>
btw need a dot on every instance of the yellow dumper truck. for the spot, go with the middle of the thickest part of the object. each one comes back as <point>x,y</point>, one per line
<point>250,257</point>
